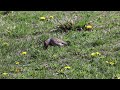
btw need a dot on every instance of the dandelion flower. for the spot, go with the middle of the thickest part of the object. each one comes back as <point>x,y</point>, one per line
<point>17,63</point>
<point>88,27</point>
<point>93,54</point>
<point>4,74</point>
<point>111,63</point>
<point>51,17</point>
<point>24,53</point>
<point>67,67</point>
<point>42,18</point>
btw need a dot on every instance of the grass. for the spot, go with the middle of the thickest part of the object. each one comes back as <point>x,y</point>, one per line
<point>23,31</point>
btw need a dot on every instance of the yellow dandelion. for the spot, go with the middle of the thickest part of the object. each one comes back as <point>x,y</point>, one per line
<point>51,17</point>
<point>17,63</point>
<point>23,53</point>
<point>111,63</point>
<point>4,74</point>
<point>88,27</point>
<point>93,54</point>
<point>67,67</point>
<point>42,18</point>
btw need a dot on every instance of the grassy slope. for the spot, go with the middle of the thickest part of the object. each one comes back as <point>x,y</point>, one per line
<point>24,31</point>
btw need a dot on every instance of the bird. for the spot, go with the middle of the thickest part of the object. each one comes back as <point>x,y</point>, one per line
<point>55,42</point>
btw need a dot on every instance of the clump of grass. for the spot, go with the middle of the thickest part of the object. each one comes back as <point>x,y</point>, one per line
<point>65,27</point>
<point>76,24</point>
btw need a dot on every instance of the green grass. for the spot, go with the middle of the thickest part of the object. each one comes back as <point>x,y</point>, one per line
<point>23,31</point>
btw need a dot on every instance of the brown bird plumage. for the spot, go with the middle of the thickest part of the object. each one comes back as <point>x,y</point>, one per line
<point>54,42</point>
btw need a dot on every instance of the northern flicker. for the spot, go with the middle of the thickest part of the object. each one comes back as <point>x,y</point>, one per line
<point>55,42</point>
